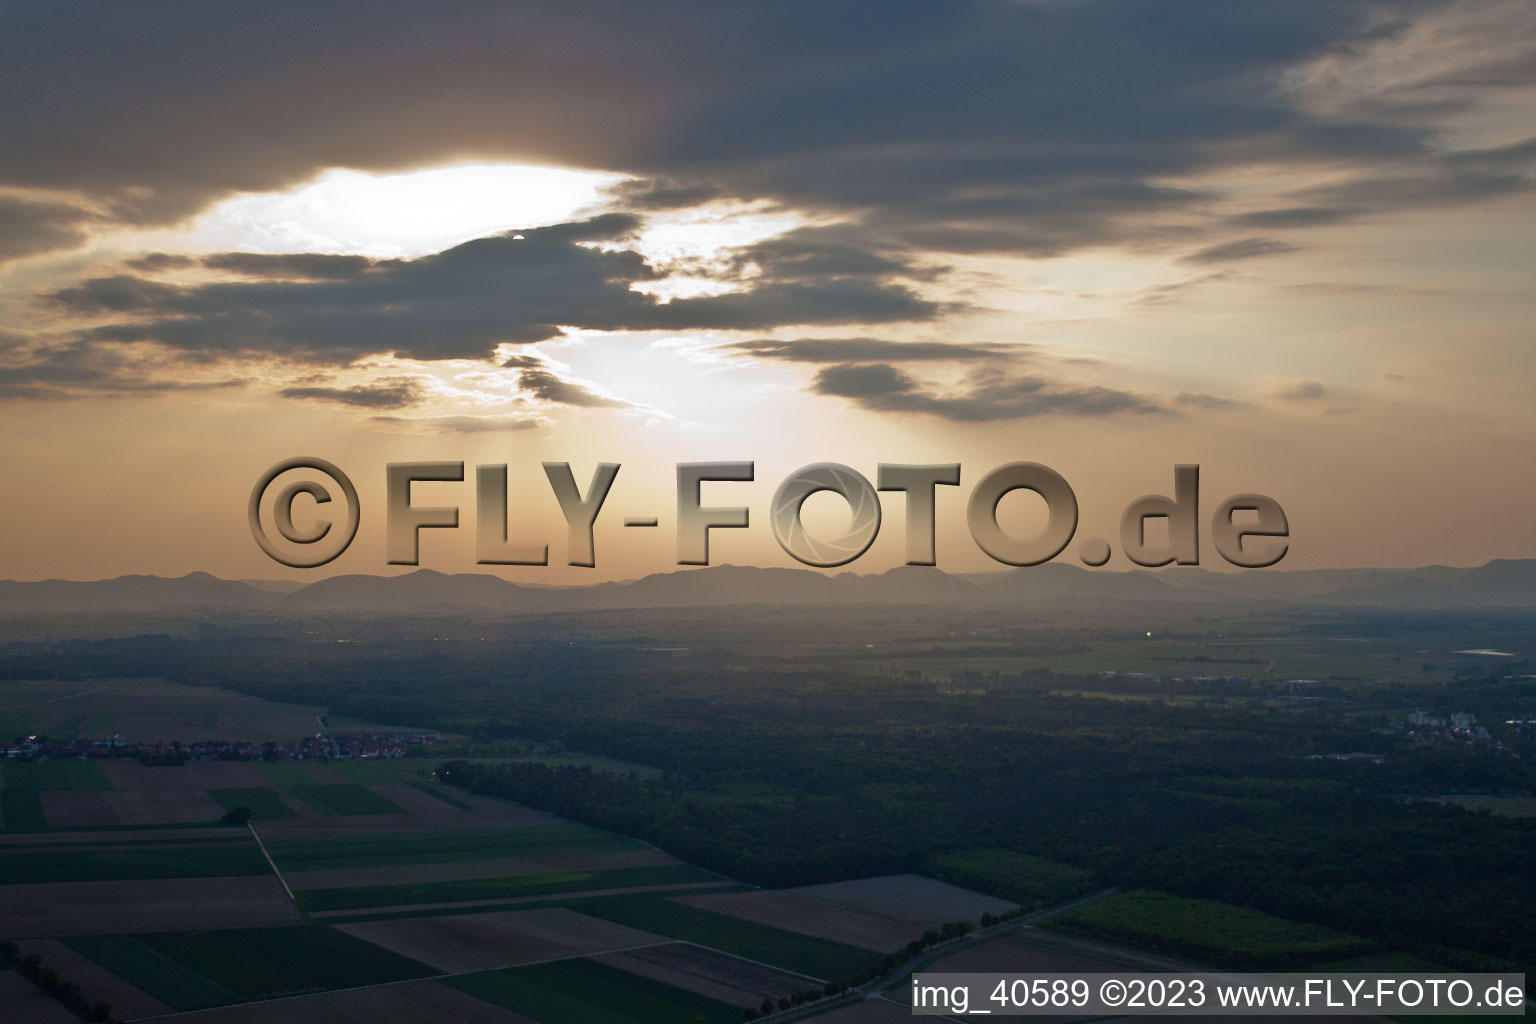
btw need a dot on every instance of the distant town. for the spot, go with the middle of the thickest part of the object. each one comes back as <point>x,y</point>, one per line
<point>321,746</point>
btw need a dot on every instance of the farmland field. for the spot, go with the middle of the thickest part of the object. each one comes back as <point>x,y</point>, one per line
<point>407,1002</point>
<point>192,970</point>
<point>154,904</point>
<point>708,972</point>
<point>801,954</point>
<point>263,802</point>
<point>77,807</point>
<point>361,897</point>
<point>478,942</point>
<point>344,799</point>
<point>205,860</point>
<point>54,774</point>
<point>300,773</point>
<point>907,898</point>
<point>21,808</point>
<point>587,992</point>
<point>809,917</point>
<point>128,1001</point>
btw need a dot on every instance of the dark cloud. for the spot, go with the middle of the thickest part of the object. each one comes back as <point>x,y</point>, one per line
<point>1452,178</point>
<point>1290,217</point>
<point>986,395</point>
<point>858,350</point>
<point>969,126</point>
<point>1302,391</point>
<point>820,253</point>
<point>643,194</point>
<point>551,388</point>
<point>460,303</point>
<point>385,395</point>
<point>1201,400</point>
<point>1241,249</point>
<point>154,262</point>
<point>81,369</point>
<point>791,303</point>
<point>312,266</point>
<point>29,226</point>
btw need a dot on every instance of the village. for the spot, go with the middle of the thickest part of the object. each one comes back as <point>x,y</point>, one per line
<point>321,746</point>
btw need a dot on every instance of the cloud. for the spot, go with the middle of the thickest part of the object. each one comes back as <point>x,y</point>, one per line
<point>551,388</point>
<point>155,262</point>
<point>1030,128</point>
<point>987,394</point>
<point>857,350</point>
<point>311,266</point>
<point>1241,249</point>
<point>29,225</point>
<point>459,424</point>
<point>52,371</point>
<point>821,253</point>
<point>1301,391</point>
<point>1450,178</point>
<point>1201,400</point>
<point>461,303</point>
<point>1290,217</point>
<point>387,395</point>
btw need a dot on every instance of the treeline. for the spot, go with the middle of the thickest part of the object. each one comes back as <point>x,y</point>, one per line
<point>74,999</point>
<point>1441,881</point>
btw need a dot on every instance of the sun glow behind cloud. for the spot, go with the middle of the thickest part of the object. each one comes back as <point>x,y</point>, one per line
<point>395,215</point>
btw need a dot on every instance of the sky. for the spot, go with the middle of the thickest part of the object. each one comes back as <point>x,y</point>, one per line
<point>1290,242</point>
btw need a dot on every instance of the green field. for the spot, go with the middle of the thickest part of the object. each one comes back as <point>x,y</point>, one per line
<point>1217,933</point>
<point>514,887</point>
<point>263,802</point>
<point>158,974</point>
<point>443,846</point>
<point>432,789</point>
<point>55,775</point>
<point>416,774</point>
<point>586,992</point>
<point>345,799</point>
<point>35,775</point>
<point>1031,882</point>
<point>193,970</point>
<point>90,864</point>
<point>802,954</point>
<point>284,773</point>
<point>21,808</point>
<point>370,771</point>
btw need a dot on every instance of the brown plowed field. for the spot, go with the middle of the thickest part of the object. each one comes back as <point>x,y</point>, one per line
<point>477,942</point>
<point>145,905</point>
<point>907,898</point>
<point>809,917</point>
<point>708,972</point>
<point>98,983</point>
